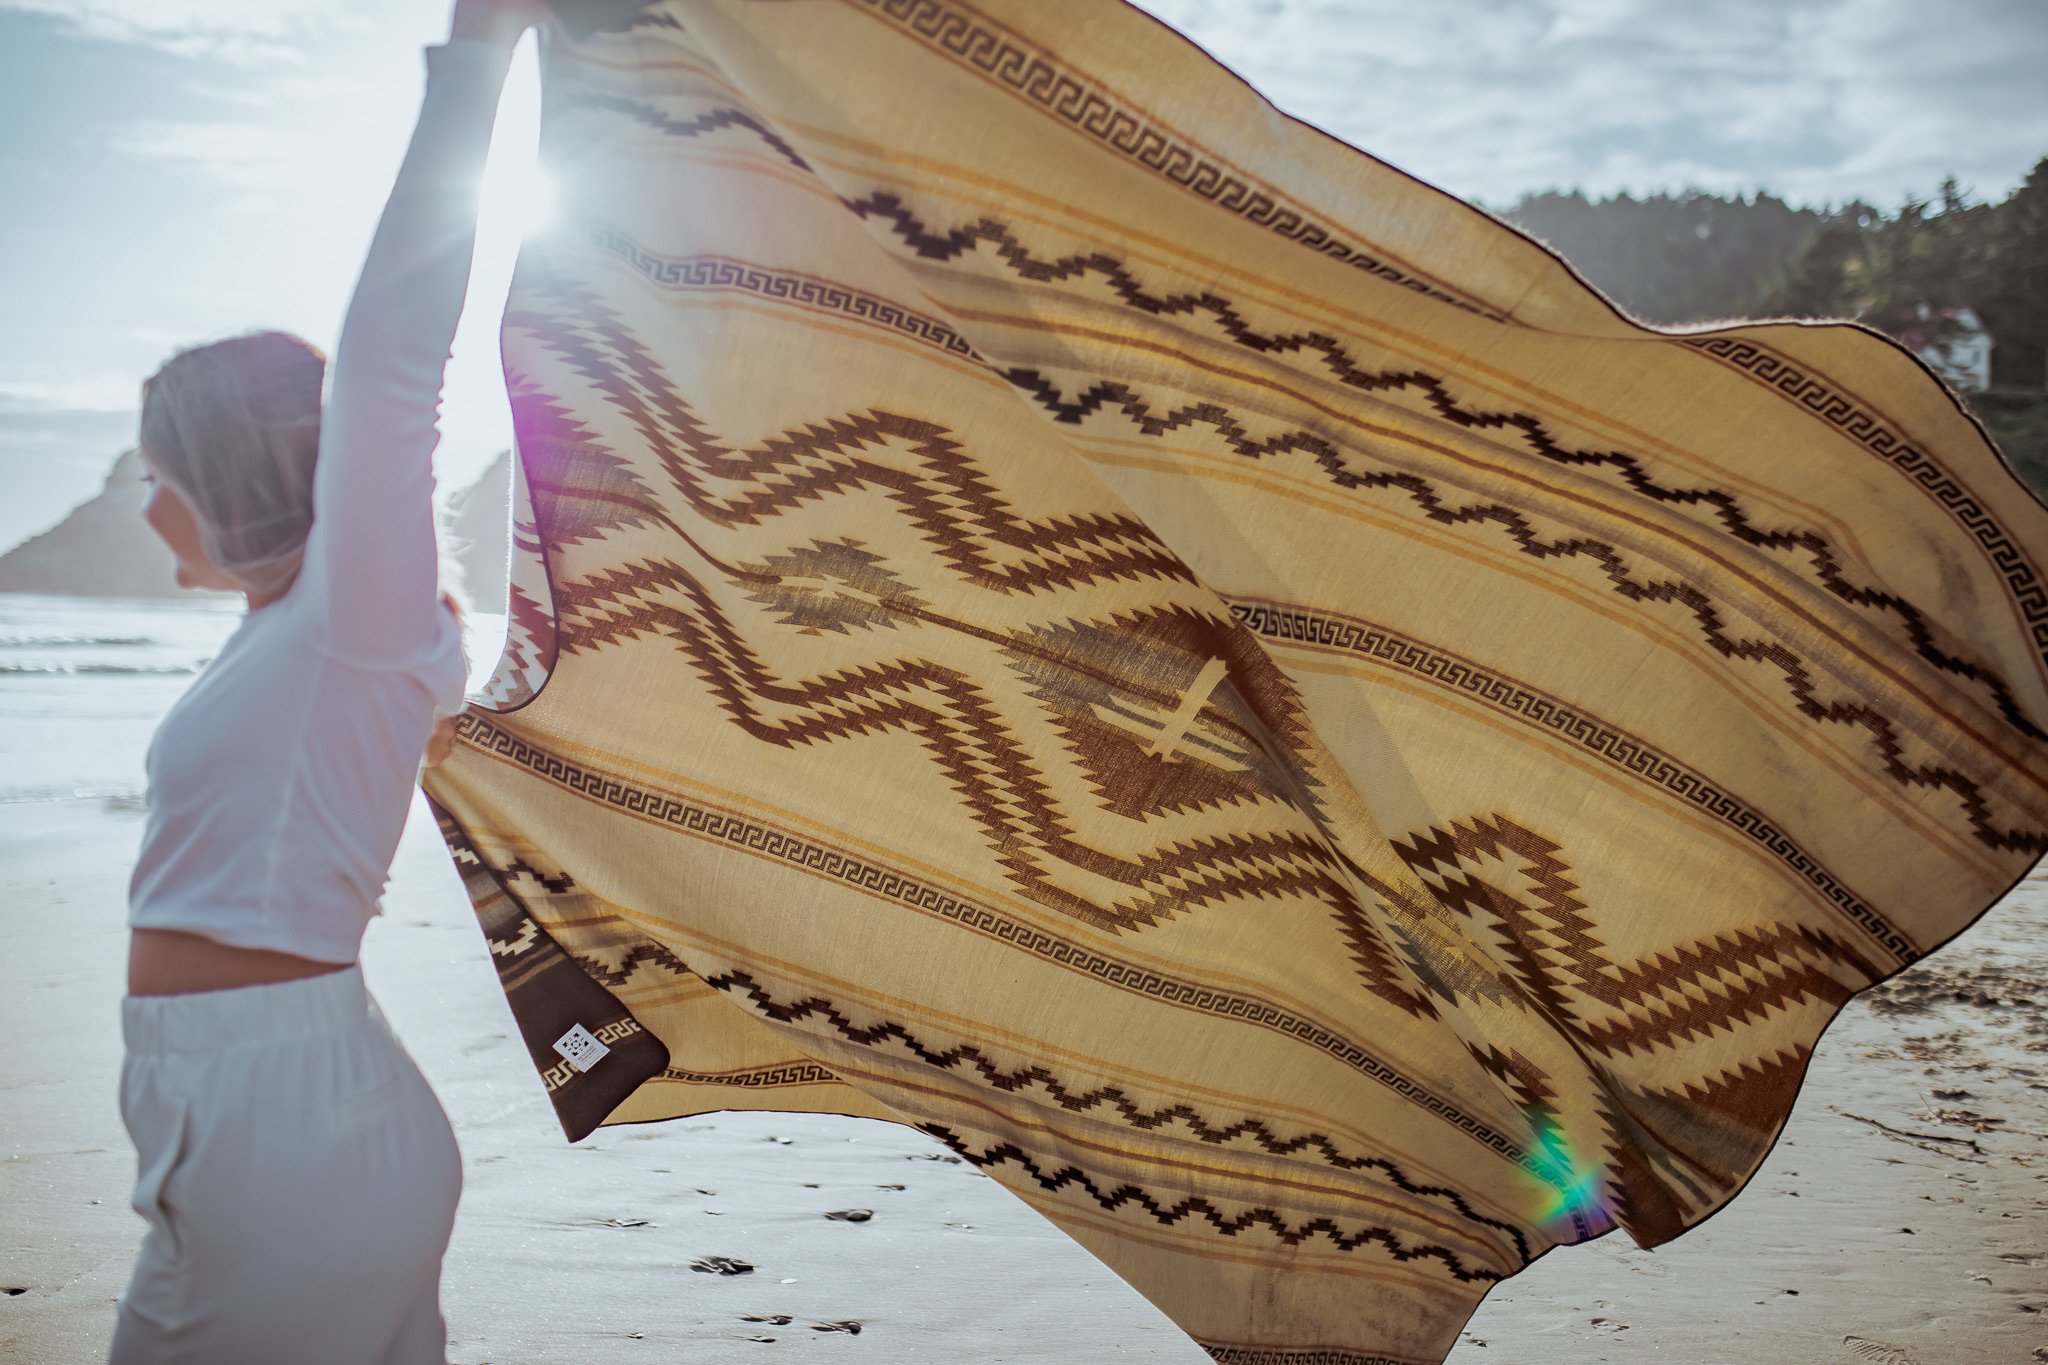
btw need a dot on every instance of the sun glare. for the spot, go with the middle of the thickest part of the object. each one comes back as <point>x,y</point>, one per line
<point>517,202</point>
<point>518,196</point>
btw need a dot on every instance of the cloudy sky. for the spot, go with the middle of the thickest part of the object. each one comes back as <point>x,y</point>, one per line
<point>179,169</point>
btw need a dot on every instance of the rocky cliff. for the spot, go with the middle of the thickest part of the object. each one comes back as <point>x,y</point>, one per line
<point>103,549</point>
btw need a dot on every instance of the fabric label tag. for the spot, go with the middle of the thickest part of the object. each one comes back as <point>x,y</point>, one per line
<point>580,1049</point>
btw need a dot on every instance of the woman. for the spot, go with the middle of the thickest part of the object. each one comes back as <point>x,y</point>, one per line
<point>297,1173</point>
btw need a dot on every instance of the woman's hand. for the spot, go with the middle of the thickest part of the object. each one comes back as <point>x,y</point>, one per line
<point>441,743</point>
<point>496,21</point>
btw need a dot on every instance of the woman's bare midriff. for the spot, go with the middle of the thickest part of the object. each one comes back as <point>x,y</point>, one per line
<point>172,962</point>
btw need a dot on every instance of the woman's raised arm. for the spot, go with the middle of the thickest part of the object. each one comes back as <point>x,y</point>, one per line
<point>370,564</point>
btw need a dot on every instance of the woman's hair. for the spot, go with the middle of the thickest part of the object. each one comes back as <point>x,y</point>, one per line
<point>235,427</point>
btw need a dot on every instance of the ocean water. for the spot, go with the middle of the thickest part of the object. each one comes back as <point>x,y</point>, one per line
<point>84,681</point>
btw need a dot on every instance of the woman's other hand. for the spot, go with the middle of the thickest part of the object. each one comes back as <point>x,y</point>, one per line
<point>442,742</point>
<point>495,21</point>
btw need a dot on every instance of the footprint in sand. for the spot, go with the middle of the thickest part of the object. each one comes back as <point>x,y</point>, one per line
<point>1883,1352</point>
<point>722,1265</point>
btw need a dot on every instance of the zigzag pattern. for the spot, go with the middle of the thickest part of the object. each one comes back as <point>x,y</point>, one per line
<point>947,499</point>
<point>1553,952</point>
<point>1163,875</point>
<point>1626,752</point>
<point>950,503</point>
<point>1799,680</point>
<point>989,770</point>
<point>852,432</point>
<point>609,606</point>
<point>1045,79</point>
<point>888,884</point>
<point>1111,1200</point>
<point>874,699</point>
<point>711,121</point>
<point>954,506</point>
<point>1752,1093</point>
<point>618,973</point>
<point>1342,366</point>
<point>955,241</point>
<point>1697,965</point>
<point>1851,417</point>
<point>558,884</point>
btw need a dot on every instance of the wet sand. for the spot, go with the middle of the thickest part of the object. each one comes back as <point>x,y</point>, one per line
<point>1902,1218</point>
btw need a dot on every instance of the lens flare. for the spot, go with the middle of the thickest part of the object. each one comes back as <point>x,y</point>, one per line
<point>518,194</point>
<point>1565,1184</point>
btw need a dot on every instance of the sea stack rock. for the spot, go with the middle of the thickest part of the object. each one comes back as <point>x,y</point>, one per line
<point>103,549</point>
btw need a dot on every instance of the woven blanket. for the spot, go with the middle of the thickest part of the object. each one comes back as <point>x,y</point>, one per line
<point>1058,605</point>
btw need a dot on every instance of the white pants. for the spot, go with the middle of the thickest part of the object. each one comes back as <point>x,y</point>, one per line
<point>298,1176</point>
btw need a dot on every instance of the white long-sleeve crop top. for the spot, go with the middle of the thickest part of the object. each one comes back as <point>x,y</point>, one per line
<point>279,783</point>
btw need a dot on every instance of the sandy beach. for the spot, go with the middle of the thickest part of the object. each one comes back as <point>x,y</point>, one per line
<point>1902,1218</point>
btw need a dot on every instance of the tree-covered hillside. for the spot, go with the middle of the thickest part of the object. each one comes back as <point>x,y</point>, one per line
<point>1678,260</point>
<point>1673,259</point>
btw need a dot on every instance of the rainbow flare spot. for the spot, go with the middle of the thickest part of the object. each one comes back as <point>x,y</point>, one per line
<point>1567,1186</point>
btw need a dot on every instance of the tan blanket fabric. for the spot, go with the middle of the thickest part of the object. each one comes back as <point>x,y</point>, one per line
<point>1058,605</point>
